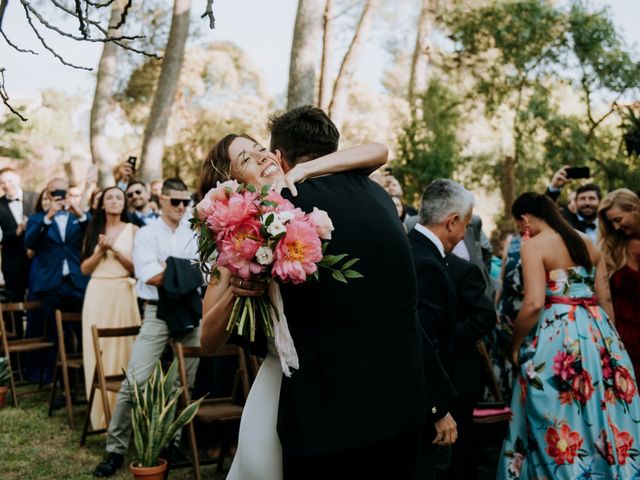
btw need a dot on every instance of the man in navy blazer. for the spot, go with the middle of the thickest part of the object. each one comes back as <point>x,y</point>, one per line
<point>56,236</point>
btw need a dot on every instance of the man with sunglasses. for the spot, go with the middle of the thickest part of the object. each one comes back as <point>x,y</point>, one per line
<point>141,213</point>
<point>169,236</point>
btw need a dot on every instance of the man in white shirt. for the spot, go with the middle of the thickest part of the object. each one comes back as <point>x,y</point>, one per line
<point>154,243</point>
<point>15,207</point>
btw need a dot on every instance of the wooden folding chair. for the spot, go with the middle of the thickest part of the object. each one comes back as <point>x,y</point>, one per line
<point>222,410</point>
<point>9,310</point>
<point>103,382</point>
<point>66,361</point>
<point>500,414</point>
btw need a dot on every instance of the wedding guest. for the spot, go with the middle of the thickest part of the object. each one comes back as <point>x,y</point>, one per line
<point>476,318</point>
<point>138,196</point>
<point>153,246</point>
<point>16,206</point>
<point>110,299</point>
<point>445,210</point>
<point>476,248</point>
<point>575,392</point>
<point>619,216</point>
<point>56,237</point>
<point>94,200</point>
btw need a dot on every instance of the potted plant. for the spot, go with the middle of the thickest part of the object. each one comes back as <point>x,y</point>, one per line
<point>5,379</point>
<point>153,419</point>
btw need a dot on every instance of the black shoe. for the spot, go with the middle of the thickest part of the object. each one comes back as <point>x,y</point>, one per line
<point>109,466</point>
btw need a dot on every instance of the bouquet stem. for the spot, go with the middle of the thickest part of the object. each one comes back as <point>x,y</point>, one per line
<point>246,311</point>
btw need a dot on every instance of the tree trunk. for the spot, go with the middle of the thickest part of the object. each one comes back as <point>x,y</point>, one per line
<point>418,75</point>
<point>102,155</point>
<point>305,53</point>
<point>156,129</point>
<point>350,63</point>
<point>324,88</point>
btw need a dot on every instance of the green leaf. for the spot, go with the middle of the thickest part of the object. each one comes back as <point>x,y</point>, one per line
<point>536,383</point>
<point>329,260</point>
<point>269,219</point>
<point>352,274</point>
<point>264,191</point>
<point>349,263</point>
<point>336,274</point>
<point>251,188</point>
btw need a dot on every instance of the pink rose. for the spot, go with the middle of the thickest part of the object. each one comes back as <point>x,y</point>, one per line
<point>238,249</point>
<point>297,253</point>
<point>223,189</point>
<point>204,208</point>
<point>322,222</point>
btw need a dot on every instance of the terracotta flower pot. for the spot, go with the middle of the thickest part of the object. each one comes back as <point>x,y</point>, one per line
<point>3,395</point>
<point>149,473</point>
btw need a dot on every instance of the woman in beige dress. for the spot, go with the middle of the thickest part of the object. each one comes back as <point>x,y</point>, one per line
<point>110,299</point>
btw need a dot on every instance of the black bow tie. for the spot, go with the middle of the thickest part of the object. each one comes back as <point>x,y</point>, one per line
<point>13,199</point>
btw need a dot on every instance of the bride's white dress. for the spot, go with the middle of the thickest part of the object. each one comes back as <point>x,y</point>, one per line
<point>259,453</point>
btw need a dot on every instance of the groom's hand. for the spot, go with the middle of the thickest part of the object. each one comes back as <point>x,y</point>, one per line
<point>248,288</point>
<point>446,431</point>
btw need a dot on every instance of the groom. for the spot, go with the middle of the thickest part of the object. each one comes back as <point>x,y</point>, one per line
<point>357,405</point>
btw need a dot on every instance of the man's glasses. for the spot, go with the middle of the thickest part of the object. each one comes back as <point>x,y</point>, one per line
<point>134,192</point>
<point>177,201</point>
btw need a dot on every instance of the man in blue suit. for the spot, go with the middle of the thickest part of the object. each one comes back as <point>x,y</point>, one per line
<point>56,235</point>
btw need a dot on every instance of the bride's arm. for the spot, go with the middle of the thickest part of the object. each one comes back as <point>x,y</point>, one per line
<point>367,158</point>
<point>216,309</point>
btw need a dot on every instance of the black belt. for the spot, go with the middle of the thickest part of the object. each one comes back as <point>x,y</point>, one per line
<point>150,302</point>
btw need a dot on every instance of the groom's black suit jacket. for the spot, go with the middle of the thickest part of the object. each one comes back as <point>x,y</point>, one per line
<point>361,376</point>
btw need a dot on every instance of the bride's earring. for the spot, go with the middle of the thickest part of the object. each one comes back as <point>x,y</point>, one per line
<point>527,233</point>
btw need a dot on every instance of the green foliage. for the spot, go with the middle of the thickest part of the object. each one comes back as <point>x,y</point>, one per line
<point>428,146</point>
<point>153,413</point>
<point>5,374</point>
<point>631,131</point>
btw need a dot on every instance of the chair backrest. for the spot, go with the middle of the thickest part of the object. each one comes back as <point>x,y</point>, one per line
<point>61,318</point>
<point>97,334</point>
<point>12,309</point>
<point>242,376</point>
<point>486,363</point>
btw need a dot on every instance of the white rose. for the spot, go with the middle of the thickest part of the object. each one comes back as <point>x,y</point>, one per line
<point>276,228</point>
<point>286,216</point>
<point>264,256</point>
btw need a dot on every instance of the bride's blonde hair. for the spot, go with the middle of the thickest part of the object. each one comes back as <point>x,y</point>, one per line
<point>613,243</point>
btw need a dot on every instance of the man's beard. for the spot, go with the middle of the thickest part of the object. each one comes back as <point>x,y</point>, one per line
<point>590,215</point>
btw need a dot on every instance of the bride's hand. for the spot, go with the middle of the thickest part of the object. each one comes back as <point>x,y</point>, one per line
<point>248,288</point>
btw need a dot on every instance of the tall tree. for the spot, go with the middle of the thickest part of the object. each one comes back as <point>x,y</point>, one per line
<point>350,62</point>
<point>305,53</point>
<point>101,154</point>
<point>156,128</point>
<point>420,51</point>
<point>324,90</point>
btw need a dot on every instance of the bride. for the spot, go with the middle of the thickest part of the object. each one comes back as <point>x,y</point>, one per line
<point>240,157</point>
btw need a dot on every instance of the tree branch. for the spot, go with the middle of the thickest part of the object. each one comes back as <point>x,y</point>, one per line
<point>5,96</point>
<point>123,18</point>
<point>209,13</point>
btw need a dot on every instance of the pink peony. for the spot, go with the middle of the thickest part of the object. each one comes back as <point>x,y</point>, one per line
<point>322,222</point>
<point>563,365</point>
<point>297,253</point>
<point>282,203</point>
<point>238,249</point>
<point>228,213</point>
<point>223,190</point>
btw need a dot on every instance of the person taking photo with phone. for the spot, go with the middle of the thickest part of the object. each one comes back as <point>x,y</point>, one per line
<point>587,200</point>
<point>56,237</point>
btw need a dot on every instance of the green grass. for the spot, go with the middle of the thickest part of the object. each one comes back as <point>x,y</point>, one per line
<point>35,446</point>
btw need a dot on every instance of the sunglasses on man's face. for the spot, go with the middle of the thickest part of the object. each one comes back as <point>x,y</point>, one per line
<point>134,192</point>
<point>177,201</point>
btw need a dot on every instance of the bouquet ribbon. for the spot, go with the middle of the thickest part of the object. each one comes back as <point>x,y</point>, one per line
<point>283,341</point>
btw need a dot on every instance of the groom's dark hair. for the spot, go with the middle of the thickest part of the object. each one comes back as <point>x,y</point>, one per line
<point>303,133</point>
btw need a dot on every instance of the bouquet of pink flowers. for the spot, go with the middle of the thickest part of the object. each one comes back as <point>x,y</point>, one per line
<point>260,234</point>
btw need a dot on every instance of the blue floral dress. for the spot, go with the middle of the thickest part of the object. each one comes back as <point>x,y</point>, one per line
<point>576,410</point>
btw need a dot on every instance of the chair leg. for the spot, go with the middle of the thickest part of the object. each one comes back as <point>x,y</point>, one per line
<point>87,417</point>
<point>195,456</point>
<point>14,395</point>
<point>67,394</point>
<point>224,445</point>
<point>54,389</point>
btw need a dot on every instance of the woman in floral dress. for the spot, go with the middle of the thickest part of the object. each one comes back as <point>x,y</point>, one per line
<point>576,410</point>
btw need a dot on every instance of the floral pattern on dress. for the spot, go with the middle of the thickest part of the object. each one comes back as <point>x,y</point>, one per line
<point>576,409</point>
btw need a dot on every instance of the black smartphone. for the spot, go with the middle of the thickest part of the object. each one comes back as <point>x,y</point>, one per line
<point>578,172</point>
<point>132,161</point>
<point>59,193</point>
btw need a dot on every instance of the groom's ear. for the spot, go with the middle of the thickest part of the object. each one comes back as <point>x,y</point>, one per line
<point>283,163</point>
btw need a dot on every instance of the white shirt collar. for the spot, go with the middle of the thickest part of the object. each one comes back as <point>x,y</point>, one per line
<point>431,236</point>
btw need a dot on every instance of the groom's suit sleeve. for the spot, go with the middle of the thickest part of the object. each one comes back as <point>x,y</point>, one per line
<point>440,389</point>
